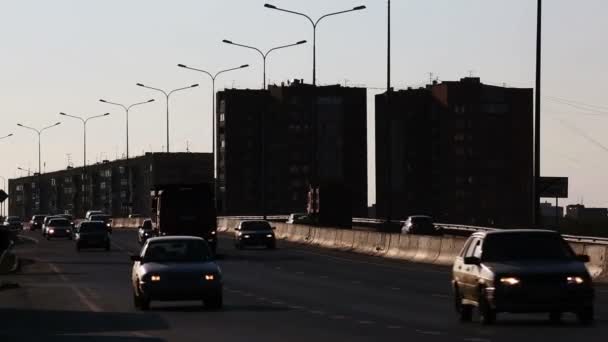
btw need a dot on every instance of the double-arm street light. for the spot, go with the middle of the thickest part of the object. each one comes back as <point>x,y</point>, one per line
<point>2,206</point>
<point>127,108</point>
<point>314,27</point>
<point>264,55</point>
<point>39,132</point>
<point>213,78</point>
<point>84,160</point>
<point>167,95</point>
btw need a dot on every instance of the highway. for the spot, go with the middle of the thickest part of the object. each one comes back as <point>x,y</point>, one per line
<point>294,293</point>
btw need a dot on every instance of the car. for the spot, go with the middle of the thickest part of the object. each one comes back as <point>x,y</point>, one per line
<point>107,219</point>
<point>59,227</point>
<point>298,218</point>
<point>90,234</point>
<point>420,224</point>
<point>13,223</point>
<point>92,212</point>
<point>521,271</point>
<point>176,268</point>
<point>36,222</point>
<point>135,215</point>
<point>145,231</point>
<point>254,233</point>
<point>46,221</point>
<point>67,217</point>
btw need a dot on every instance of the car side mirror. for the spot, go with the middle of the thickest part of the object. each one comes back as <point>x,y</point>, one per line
<point>237,229</point>
<point>472,261</point>
<point>583,258</point>
<point>135,258</point>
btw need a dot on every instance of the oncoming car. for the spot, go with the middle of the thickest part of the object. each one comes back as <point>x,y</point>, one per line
<point>59,227</point>
<point>420,224</point>
<point>91,234</point>
<point>254,233</point>
<point>521,271</point>
<point>174,268</point>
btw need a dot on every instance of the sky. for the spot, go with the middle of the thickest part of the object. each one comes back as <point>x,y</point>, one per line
<point>64,55</point>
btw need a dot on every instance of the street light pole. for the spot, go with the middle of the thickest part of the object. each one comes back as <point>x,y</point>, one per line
<point>264,55</point>
<point>127,108</point>
<point>213,78</point>
<point>39,132</point>
<point>84,162</point>
<point>167,95</point>
<point>314,31</point>
<point>389,131</point>
<point>536,212</point>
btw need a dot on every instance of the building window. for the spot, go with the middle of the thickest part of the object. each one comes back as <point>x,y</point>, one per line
<point>223,143</point>
<point>19,187</point>
<point>68,191</point>
<point>67,180</point>
<point>124,181</point>
<point>459,137</point>
<point>19,198</point>
<point>53,182</point>
<point>121,170</point>
<point>222,117</point>
<point>459,151</point>
<point>102,185</point>
<point>33,185</point>
<point>123,194</point>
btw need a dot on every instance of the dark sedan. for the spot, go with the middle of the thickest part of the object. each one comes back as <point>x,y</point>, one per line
<point>92,234</point>
<point>420,224</point>
<point>13,223</point>
<point>36,222</point>
<point>59,227</point>
<point>521,271</point>
<point>172,268</point>
<point>145,231</point>
<point>254,233</point>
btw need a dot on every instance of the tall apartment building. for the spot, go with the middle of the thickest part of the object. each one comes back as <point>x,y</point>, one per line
<point>269,135</point>
<point>107,185</point>
<point>460,151</point>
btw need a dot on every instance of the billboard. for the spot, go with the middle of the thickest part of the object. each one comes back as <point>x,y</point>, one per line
<point>553,187</point>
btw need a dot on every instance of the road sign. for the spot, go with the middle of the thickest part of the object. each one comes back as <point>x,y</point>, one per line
<point>3,196</point>
<point>553,187</point>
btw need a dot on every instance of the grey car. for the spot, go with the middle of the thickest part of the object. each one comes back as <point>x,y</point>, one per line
<point>59,228</point>
<point>91,234</point>
<point>175,268</point>
<point>521,271</point>
<point>254,233</point>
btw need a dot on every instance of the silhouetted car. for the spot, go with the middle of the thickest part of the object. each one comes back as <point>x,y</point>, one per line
<point>420,224</point>
<point>67,217</point>
<point>89,213</point>
<point>13,223</point>
<point>254,233</point>
<point>106,219</point>
<point>521,271</point>
<point>36,222</point>
<point>59,227</point>
<point>145,231</point>
<point>46,221</point>
<point>90,234</point>
<point>172,268</point>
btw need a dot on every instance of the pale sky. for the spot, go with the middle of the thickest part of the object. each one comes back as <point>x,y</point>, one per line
<point>64,55</point>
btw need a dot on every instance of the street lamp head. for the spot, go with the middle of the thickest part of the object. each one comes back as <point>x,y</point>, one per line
<point>301,42</point>
<point>62,113</point>
<point>20,125</point>
<point>182,65</point>
<point>244,66</point>
<point>141,85</point>
<point>102,100</point>
<point>358,8</point>
<point>151,100</point>
<point>194,85</point>
<point>57,123</point>
<point>270,6</point>
<point>10,135</point>
<point>227,41</point>
<point>106,114</point>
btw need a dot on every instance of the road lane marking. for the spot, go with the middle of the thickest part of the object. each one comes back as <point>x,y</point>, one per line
<point>476,339</point>
<point>393,327</point>
<point>299,272</point>
<point>438,295</point>
<point>296,307</point>
<point>396,288</point>
<point>83,299</point>
<point>428,332</point>
<point>355,282</point>
<point>324,277</point>
<point>317,312</point>
<point>141,334</point>
<point>337,317</point>
<point>278,303</point>
<point>364,322</point>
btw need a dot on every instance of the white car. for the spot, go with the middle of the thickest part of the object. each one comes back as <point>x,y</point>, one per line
<point>91,213</point>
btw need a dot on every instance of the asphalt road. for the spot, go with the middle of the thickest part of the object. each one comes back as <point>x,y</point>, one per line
<point>294,293</point>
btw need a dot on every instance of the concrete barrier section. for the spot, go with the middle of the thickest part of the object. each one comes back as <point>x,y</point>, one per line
<point>597,262</point>
<point>345,239</point>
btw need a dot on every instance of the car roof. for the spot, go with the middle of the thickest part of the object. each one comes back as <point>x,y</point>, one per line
<point>175,237</point>
<point>420,216</point>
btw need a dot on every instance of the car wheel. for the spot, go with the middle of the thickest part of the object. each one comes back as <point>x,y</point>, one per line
<point>555,317</point>
<point>586,316</point>
<point>214,303</point>
<point>465,311</point>
<point>487,315</point>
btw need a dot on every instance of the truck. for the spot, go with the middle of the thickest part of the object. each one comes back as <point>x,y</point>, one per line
<point>185,209</point>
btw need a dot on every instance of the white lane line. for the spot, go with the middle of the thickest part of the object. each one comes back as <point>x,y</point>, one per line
<point>438,295</point>
<point>261,299</point>
<point>83,299</point>
<point>277,268</point>
<point>316,312</point>
<point>393,327</point>
<point>299,272</point>
<point>396,288</point>
<point>428,332</point>
<point>141,334</point>
<point>296,307</point>
<point>324,277</point>
<point>337,317</point>
<point>476,339</point>
<point>355,282</point>
<point>365,322</point>
<point>277,303</point>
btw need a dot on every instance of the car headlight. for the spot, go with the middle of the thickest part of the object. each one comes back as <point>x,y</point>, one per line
<point>575,280</point>
<point>509,281</point>
<point>213,232</point>
<point>246,236</point>
<point>209,277</point>
<point>155,278</point>
<point>108,225</point>
<point>68,231</point>
<point>239,234</point>
<point>51,231</point>
<point>269,235</point>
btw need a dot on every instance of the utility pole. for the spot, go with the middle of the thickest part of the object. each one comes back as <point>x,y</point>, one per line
<point>537,124</point>
<point>389,160</point>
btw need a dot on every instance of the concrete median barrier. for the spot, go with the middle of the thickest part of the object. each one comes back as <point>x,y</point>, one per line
<point>428,249</point>
<point>450,248</point>
<point>345,239</point>
<point>325,237</point>
<point>597,260</point>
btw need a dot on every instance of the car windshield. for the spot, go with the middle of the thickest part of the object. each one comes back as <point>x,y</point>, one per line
<point>13,219</point>
<point>92,227</point>
<point>38,218</point>
<point>100,218</point>
<point>525,246</point>
<point>177,251</point>
<point>59,222</point>
<point>255,225</point>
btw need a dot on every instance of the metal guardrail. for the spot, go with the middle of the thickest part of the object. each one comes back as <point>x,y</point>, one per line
<point>446,226</point>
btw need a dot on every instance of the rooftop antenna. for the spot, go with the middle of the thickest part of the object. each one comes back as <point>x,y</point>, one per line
<point>471,73</point>
<point>187,146</point>
<point>431,78</point>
